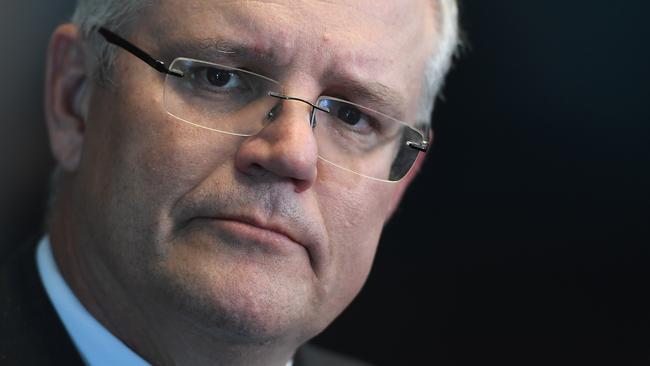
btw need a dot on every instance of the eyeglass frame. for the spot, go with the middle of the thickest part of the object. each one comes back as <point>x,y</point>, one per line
<point>161,67</point>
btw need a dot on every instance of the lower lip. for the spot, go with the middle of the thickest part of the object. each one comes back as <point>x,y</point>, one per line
<point>246,233</point>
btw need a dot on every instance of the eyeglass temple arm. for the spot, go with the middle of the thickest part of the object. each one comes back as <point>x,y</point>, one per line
<point>137,52</point>
<point>424,146</point>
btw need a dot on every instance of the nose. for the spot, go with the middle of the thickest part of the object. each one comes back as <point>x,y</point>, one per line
<point>285,148</point>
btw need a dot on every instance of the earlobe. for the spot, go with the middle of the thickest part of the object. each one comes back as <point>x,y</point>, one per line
<point>66,91</point>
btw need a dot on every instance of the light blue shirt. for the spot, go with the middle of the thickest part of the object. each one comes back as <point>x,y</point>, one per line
<point>97,346</point>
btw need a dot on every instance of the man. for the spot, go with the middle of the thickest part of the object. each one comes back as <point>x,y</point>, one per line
<point>221,202</point>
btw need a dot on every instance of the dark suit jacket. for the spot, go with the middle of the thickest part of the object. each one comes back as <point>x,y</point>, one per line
<point>31,332</point>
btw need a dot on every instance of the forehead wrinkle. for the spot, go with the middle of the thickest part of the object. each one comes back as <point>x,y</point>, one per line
<point>236,29</point>
<point>355,73</point>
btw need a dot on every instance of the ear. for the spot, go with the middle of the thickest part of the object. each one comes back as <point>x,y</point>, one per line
<point>66,89</point>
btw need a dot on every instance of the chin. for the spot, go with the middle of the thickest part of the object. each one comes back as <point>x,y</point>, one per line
<point>245,305</point>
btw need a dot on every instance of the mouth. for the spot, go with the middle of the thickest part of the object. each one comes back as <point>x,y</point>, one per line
<point>288,233</point>
<point>246,230</point>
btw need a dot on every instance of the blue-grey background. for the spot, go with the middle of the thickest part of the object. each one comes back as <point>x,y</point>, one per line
<point>526,239</point>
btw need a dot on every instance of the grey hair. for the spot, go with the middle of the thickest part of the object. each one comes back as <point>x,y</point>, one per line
<point>118,15</point>
<point>441,60</point>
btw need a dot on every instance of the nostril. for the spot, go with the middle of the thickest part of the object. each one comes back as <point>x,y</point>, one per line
<point>256,169</point>
<point>300,185</point>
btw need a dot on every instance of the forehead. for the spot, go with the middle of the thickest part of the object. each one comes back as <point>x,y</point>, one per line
<point>387,41</point>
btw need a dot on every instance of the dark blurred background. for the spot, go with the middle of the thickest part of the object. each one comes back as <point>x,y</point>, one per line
<point>526,239</point>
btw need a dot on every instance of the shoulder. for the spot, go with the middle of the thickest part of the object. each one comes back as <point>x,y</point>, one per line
<point>310,355</point>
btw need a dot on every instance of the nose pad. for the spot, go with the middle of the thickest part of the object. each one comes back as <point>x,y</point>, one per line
<point>274,112</point>
<point>277,109</point>
<point>312,119</point>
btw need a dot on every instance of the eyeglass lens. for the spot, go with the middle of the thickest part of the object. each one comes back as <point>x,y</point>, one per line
<point>237,102</point>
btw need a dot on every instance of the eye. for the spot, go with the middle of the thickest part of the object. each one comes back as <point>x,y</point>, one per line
<point>355,120</point>
<point>218,79</point>
<point>349,115</point>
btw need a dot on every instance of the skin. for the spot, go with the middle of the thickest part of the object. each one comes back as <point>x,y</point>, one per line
<point>195,247</point>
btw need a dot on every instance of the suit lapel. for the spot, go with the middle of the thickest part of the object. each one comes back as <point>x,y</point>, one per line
<point>31,332</point>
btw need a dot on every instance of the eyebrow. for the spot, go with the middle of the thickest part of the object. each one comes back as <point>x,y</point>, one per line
<point>374,95</point>
<point>215,50</point>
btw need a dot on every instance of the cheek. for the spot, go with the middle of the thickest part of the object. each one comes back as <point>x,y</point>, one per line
<point>150,150</point>
<point>162,153</point>
<point>143,161</point>
<point>354,219</point>
<point>173,157</point>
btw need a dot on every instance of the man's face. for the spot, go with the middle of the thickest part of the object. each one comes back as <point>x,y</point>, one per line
<point>255,235</point>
